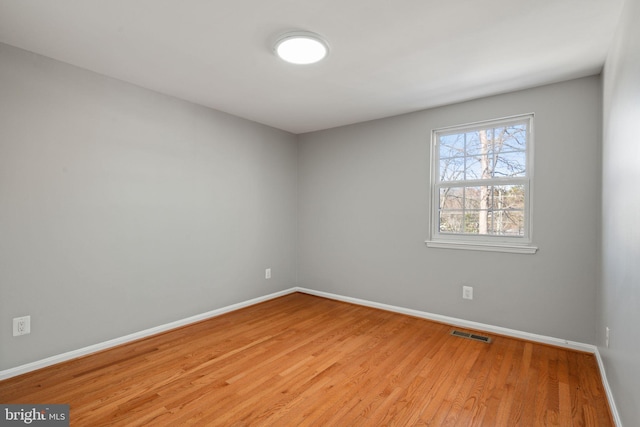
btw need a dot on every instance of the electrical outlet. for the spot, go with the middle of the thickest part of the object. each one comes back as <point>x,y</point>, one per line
<point>606,337</point>
<point>467,292</point>
<point>21,326</point>
<point>267,273</point>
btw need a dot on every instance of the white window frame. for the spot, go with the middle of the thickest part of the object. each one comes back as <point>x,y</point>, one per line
<point>513,244</point>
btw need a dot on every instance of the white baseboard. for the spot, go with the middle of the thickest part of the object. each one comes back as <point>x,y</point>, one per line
<point>607,389</point>
<point>588,348</point>
<point>23,369</point>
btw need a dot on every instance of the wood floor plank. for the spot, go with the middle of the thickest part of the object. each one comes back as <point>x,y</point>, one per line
<point>475,409</point>
<point>309,361</point>
<point>490,402</point>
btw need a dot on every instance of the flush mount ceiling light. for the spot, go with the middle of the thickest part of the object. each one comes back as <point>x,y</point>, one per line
<point>301,47</point>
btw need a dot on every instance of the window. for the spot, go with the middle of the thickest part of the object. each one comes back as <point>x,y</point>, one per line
<point>481,186</point>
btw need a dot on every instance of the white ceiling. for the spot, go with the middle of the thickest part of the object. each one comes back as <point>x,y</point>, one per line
<point>387,56</point>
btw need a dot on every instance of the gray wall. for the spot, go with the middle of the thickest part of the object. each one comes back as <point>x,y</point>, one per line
<point>364,204</point>
<point>122,209</point>
<point>620,299</point>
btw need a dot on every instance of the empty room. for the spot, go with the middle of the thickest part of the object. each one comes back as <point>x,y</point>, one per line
<point>320,213</point>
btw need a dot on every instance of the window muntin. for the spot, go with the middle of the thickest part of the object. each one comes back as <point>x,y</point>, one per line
<point>481,182</point>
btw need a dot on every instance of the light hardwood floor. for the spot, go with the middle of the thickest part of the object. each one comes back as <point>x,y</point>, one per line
<point>305,360</point>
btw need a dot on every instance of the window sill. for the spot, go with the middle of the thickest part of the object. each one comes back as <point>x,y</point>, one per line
<point>490,247</point>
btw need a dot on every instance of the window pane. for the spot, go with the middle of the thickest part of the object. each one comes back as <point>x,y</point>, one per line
<point>483,210</point>
<point>510,164</point>
<point>451,222</point>
<point>507,223</point>
<point>515,137</point>
<point>473,168</point>
<point>451,146</point>
<point>471,222</point>
<point>474,196</point>
<point>452,169</point>
<point>508,197</point>
<point>451,198</point>
<point>473,145</point>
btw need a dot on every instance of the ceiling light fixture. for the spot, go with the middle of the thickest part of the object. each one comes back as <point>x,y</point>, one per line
<point>301,47</point>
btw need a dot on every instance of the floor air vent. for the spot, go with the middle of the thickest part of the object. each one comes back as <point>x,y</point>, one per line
<point>475,337</point>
